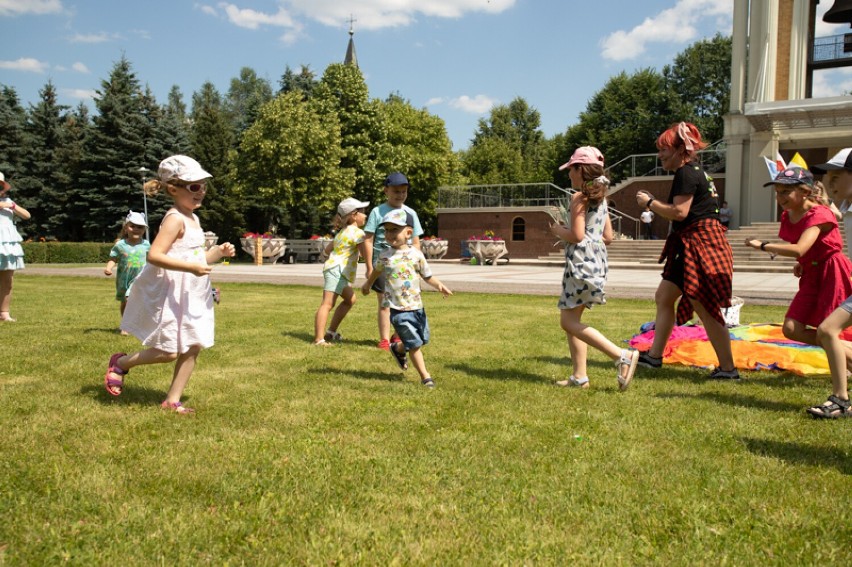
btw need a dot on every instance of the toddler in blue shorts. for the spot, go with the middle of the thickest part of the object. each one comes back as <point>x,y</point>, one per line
<point>403,266</point>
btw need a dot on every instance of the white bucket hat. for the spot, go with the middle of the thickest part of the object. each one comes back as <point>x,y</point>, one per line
<point>3,181</point>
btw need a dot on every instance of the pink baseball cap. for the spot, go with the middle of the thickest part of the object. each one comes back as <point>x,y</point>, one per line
<point>586,155</point>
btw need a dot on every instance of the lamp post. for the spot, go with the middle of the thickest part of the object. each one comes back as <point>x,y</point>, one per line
<point>142,172</point>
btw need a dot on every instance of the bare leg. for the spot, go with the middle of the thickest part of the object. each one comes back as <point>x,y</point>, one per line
<point>328,299</point>
<point>828,334</point>
<point>183,371</point>
<point>588,335</point>
<point>122,306</point>
<point>416,357</point>
<point>666,297</point>
<point>6,293</point>
<point>798,331</point>
<point>384,320</point>
<point>342,310</point>
<point>718,335</point>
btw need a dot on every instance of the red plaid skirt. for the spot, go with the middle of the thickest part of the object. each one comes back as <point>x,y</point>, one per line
<point>699,261</point>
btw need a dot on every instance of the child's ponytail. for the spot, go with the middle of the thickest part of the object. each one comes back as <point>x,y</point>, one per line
<point>152,187</point>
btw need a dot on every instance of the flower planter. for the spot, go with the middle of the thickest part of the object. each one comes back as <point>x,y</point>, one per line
<point>271,248</point>
<point>210,240</point>
<point>434,249</point>
<point>487,250</point>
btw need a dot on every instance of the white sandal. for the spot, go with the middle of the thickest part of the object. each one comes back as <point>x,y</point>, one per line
<point>630,359</point>
<point>574,382</point>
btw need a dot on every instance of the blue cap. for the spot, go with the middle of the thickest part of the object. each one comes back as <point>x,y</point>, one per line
<point>396,178</point>
<point>399,217</point>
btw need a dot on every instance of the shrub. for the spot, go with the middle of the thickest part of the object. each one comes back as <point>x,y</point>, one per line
<point>66,252</point>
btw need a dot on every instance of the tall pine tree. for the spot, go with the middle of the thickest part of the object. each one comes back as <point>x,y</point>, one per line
<point>110,180</point>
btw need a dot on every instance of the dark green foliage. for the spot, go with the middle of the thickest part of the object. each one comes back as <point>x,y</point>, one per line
<point>66,252</point>
<point>211,140</point>
<point>304,82</point>
<point>110,180</point>
<point>13,142</point>
<point>701,76</point>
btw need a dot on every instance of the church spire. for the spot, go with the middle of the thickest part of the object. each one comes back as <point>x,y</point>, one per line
<point>351,58</point>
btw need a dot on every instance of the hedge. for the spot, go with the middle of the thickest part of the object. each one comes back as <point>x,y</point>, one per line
<point>66,252</point>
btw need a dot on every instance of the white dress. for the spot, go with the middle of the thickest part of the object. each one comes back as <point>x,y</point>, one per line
<point>171,310</point>
<point>11,252</point>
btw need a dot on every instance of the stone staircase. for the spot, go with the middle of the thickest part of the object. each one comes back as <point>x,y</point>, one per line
<point>643,254</point>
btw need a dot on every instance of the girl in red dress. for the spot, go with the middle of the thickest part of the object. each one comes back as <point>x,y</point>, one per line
<point>811,229</point>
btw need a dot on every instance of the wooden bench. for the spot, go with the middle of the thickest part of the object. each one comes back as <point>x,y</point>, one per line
<point>304,250</point>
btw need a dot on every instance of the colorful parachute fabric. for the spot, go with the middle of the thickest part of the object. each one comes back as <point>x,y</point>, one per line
<point>759,346</point>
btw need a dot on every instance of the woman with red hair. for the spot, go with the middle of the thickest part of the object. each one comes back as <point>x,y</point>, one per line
<point>699,263</point>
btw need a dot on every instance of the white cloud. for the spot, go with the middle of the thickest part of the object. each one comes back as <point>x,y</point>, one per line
<point>435,101</point>
<point>80,94</point>
<point>832,82</point>
<point>368,14</point>
<point>673,25</point>
<point>27,64</point>
<point>101,37</point>
<point>209,10</point>
<point>37,7</point>
<point>480,104</point>
<point>80,68</point>
<point>252,19</point>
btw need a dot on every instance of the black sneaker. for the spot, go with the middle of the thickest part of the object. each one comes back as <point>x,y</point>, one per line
<point>649,361</point>
<point>719,374</point>
<point>399,356</point>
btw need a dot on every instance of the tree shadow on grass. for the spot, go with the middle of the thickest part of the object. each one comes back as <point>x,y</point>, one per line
<point>503,374</point>
<point>109,331</point>
<point>132,395</point>
<point>738,400</point>
<point>800,454</point>
<point>309,339</point>
<point>368,375</point>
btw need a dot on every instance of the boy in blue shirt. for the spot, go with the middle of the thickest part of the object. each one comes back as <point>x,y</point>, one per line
<point>396,191</point>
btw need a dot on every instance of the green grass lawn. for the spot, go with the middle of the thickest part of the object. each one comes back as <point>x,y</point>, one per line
<point>302,455</point>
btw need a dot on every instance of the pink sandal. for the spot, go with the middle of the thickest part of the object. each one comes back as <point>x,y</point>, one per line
<point>112,385</point>
<point>176,407</point>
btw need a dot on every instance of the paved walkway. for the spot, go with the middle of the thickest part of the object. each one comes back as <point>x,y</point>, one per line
<point>528,277</point>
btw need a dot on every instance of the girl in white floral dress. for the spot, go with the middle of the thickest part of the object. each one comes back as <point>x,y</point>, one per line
<point>170,307</point>
<point>587,232</point>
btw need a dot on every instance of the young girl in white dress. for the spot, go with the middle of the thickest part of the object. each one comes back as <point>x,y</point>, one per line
<point>170,307</point>
<point>587,232</point>
<point>11,252</point>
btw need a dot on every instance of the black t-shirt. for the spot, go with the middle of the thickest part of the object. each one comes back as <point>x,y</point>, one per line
<point>691,179</point>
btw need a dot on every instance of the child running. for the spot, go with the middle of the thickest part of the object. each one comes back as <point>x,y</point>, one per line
<point>396,191</point>
<point>339,270</point>
<point>587,233</point>
<point>170,308</point>
<point>838,176</point>
<point>402,266</point>
<point>130,254</point>
<point>810,228</point>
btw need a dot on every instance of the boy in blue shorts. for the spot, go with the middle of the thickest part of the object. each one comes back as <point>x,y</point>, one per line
<point>396,191</point>
<point>402,266</point>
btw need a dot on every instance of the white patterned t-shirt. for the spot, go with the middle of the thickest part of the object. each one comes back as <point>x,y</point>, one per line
<point>402,270</point>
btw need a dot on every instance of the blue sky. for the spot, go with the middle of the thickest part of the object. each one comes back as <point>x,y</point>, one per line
<point>455,57</point>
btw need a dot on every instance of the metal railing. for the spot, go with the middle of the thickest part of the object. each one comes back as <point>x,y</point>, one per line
<point>833,48</point>
<point>524,195</point>
<point>712,159</point>
<point>501,195</point>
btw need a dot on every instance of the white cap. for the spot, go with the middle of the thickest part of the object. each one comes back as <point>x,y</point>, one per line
<point>346,206</point>
<point>136,218</point>
<point>182,168</point>
<point>3,181</point>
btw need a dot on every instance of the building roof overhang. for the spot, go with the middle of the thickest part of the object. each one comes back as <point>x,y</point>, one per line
<point>828,112</point>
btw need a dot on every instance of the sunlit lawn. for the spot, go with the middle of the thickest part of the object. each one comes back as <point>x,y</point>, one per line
<point>302,455</point>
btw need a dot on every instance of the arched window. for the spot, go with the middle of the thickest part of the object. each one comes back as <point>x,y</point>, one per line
<point>519,228</point>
